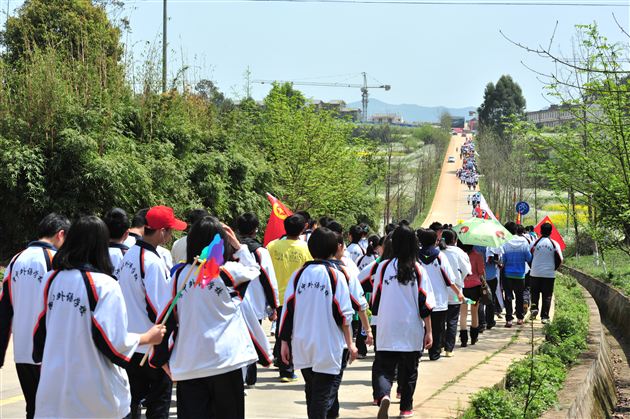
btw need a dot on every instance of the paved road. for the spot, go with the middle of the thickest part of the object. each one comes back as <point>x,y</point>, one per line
<point>444,386</point>
<point>449,204</point>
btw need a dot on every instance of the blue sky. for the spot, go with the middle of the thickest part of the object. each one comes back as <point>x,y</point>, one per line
<point>430,54</point>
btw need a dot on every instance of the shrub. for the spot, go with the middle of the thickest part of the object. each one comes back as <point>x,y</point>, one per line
<point>565,339</point>
<point>493,403</point>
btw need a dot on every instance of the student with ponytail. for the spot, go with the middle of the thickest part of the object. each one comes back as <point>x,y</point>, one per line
<point>403,300</point>
<point>373,252</point>
<point>355,251</point>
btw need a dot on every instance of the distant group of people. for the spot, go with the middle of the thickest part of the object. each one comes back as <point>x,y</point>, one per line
<point>88,302</point>
<point>468,174</point>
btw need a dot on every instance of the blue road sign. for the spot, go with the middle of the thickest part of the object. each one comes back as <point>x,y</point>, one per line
<point>522,208</point>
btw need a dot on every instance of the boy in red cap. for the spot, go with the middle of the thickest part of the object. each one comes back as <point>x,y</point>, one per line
<point>146,285</point>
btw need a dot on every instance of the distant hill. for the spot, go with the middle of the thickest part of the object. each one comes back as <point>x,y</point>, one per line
<point>413,113</point>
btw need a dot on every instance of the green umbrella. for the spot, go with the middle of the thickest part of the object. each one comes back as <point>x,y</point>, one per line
<point>481,232</point>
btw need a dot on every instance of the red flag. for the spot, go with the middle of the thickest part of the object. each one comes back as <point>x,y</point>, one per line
<point>275,225</point>
<point>555,234</point>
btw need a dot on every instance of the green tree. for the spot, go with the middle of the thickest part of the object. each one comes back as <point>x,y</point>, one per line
<point>77,29</point>
<point>501,102</point>
<point>318,168</point>
<point>446,121</point>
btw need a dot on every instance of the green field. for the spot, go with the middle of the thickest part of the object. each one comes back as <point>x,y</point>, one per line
<point>616,271</point>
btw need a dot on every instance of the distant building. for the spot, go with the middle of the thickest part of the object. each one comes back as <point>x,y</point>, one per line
<point>557,115</point>
<point>458,121</point>
<point>386,118</point>
<point>338,107</point>
<point>352,114</point>
<point>553,116</point>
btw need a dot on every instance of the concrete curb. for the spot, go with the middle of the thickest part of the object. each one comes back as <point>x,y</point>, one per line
<point>589,388</point>
<point>613,305</point>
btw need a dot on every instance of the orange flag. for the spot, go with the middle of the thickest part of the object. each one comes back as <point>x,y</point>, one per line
<point>275,225</point>
<point>555,234</point>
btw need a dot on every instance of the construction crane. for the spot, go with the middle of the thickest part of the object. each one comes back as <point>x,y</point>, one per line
<point>364,89</point>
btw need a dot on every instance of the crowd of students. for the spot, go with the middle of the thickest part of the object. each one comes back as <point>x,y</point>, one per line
<point>468,174</point>
<point>87,301</point>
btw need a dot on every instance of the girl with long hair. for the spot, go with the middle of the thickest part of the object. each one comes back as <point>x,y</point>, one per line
<point>81,336</point>
<point>403,300</point>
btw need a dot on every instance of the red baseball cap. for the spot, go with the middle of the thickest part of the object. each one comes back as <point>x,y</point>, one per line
<point>163,217</point>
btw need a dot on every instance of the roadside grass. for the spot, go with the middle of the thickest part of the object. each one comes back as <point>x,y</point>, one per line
<point>420,218</point>
<point>528,395</point>
<point>616,271</point>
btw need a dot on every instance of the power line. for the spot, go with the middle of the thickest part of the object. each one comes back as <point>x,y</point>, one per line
<point>571,3</point>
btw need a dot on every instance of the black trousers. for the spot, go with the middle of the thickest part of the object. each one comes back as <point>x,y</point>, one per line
<point>333,412</point>
<point>489,309</point>
<point>251,374</point>
<point>321,390</point>
<point>28,374</point>
<point>251,371</point>
<point>481,311</point>
<point>438,324</point>
<point>151,385</point>
<point>513,290</point>
<point>359,337</point>
<point>384,371</point>
<point>452,322</point>
<point>217,397</point>
<point>286,370</point>
<point>542,286</point>
<point>527,290</point>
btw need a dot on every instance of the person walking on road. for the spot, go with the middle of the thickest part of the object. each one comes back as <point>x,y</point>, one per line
<point>460,264</point>
<point>403,299</point>
<point>472,291</point>
<point>287,256</point>
<point>262,292</point>
<point>546,259</point>
<point>81,336</point>
<point>440,275</point>
<point>21,301</point>
<point>146,285</point>
<point>516,257</point>
<point>315,324</point>
<point>493,265</point>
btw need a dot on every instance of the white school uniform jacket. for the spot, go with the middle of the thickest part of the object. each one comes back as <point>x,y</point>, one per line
<point>461,268</point>
<point>82,342</point>
<point>366,279</point>
<point>262,291</point>
<point>545,251</point>
<point>164,253</point>
<point>355,251</point>
<point>117,253</point>
<point>146,285</point>
<point>21,299</point>
<point>365,260</point>
<point>401,308</point>
<point>439,272</point>
<point>178,251</point>
<point>212,336</point>
<point>316,306</point>
<point>357,295</point>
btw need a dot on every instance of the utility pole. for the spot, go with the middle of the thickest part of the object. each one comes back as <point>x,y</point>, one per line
<point>164,24</point>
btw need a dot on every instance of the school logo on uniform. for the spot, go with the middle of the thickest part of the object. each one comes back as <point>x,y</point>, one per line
<point>464,230</point>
